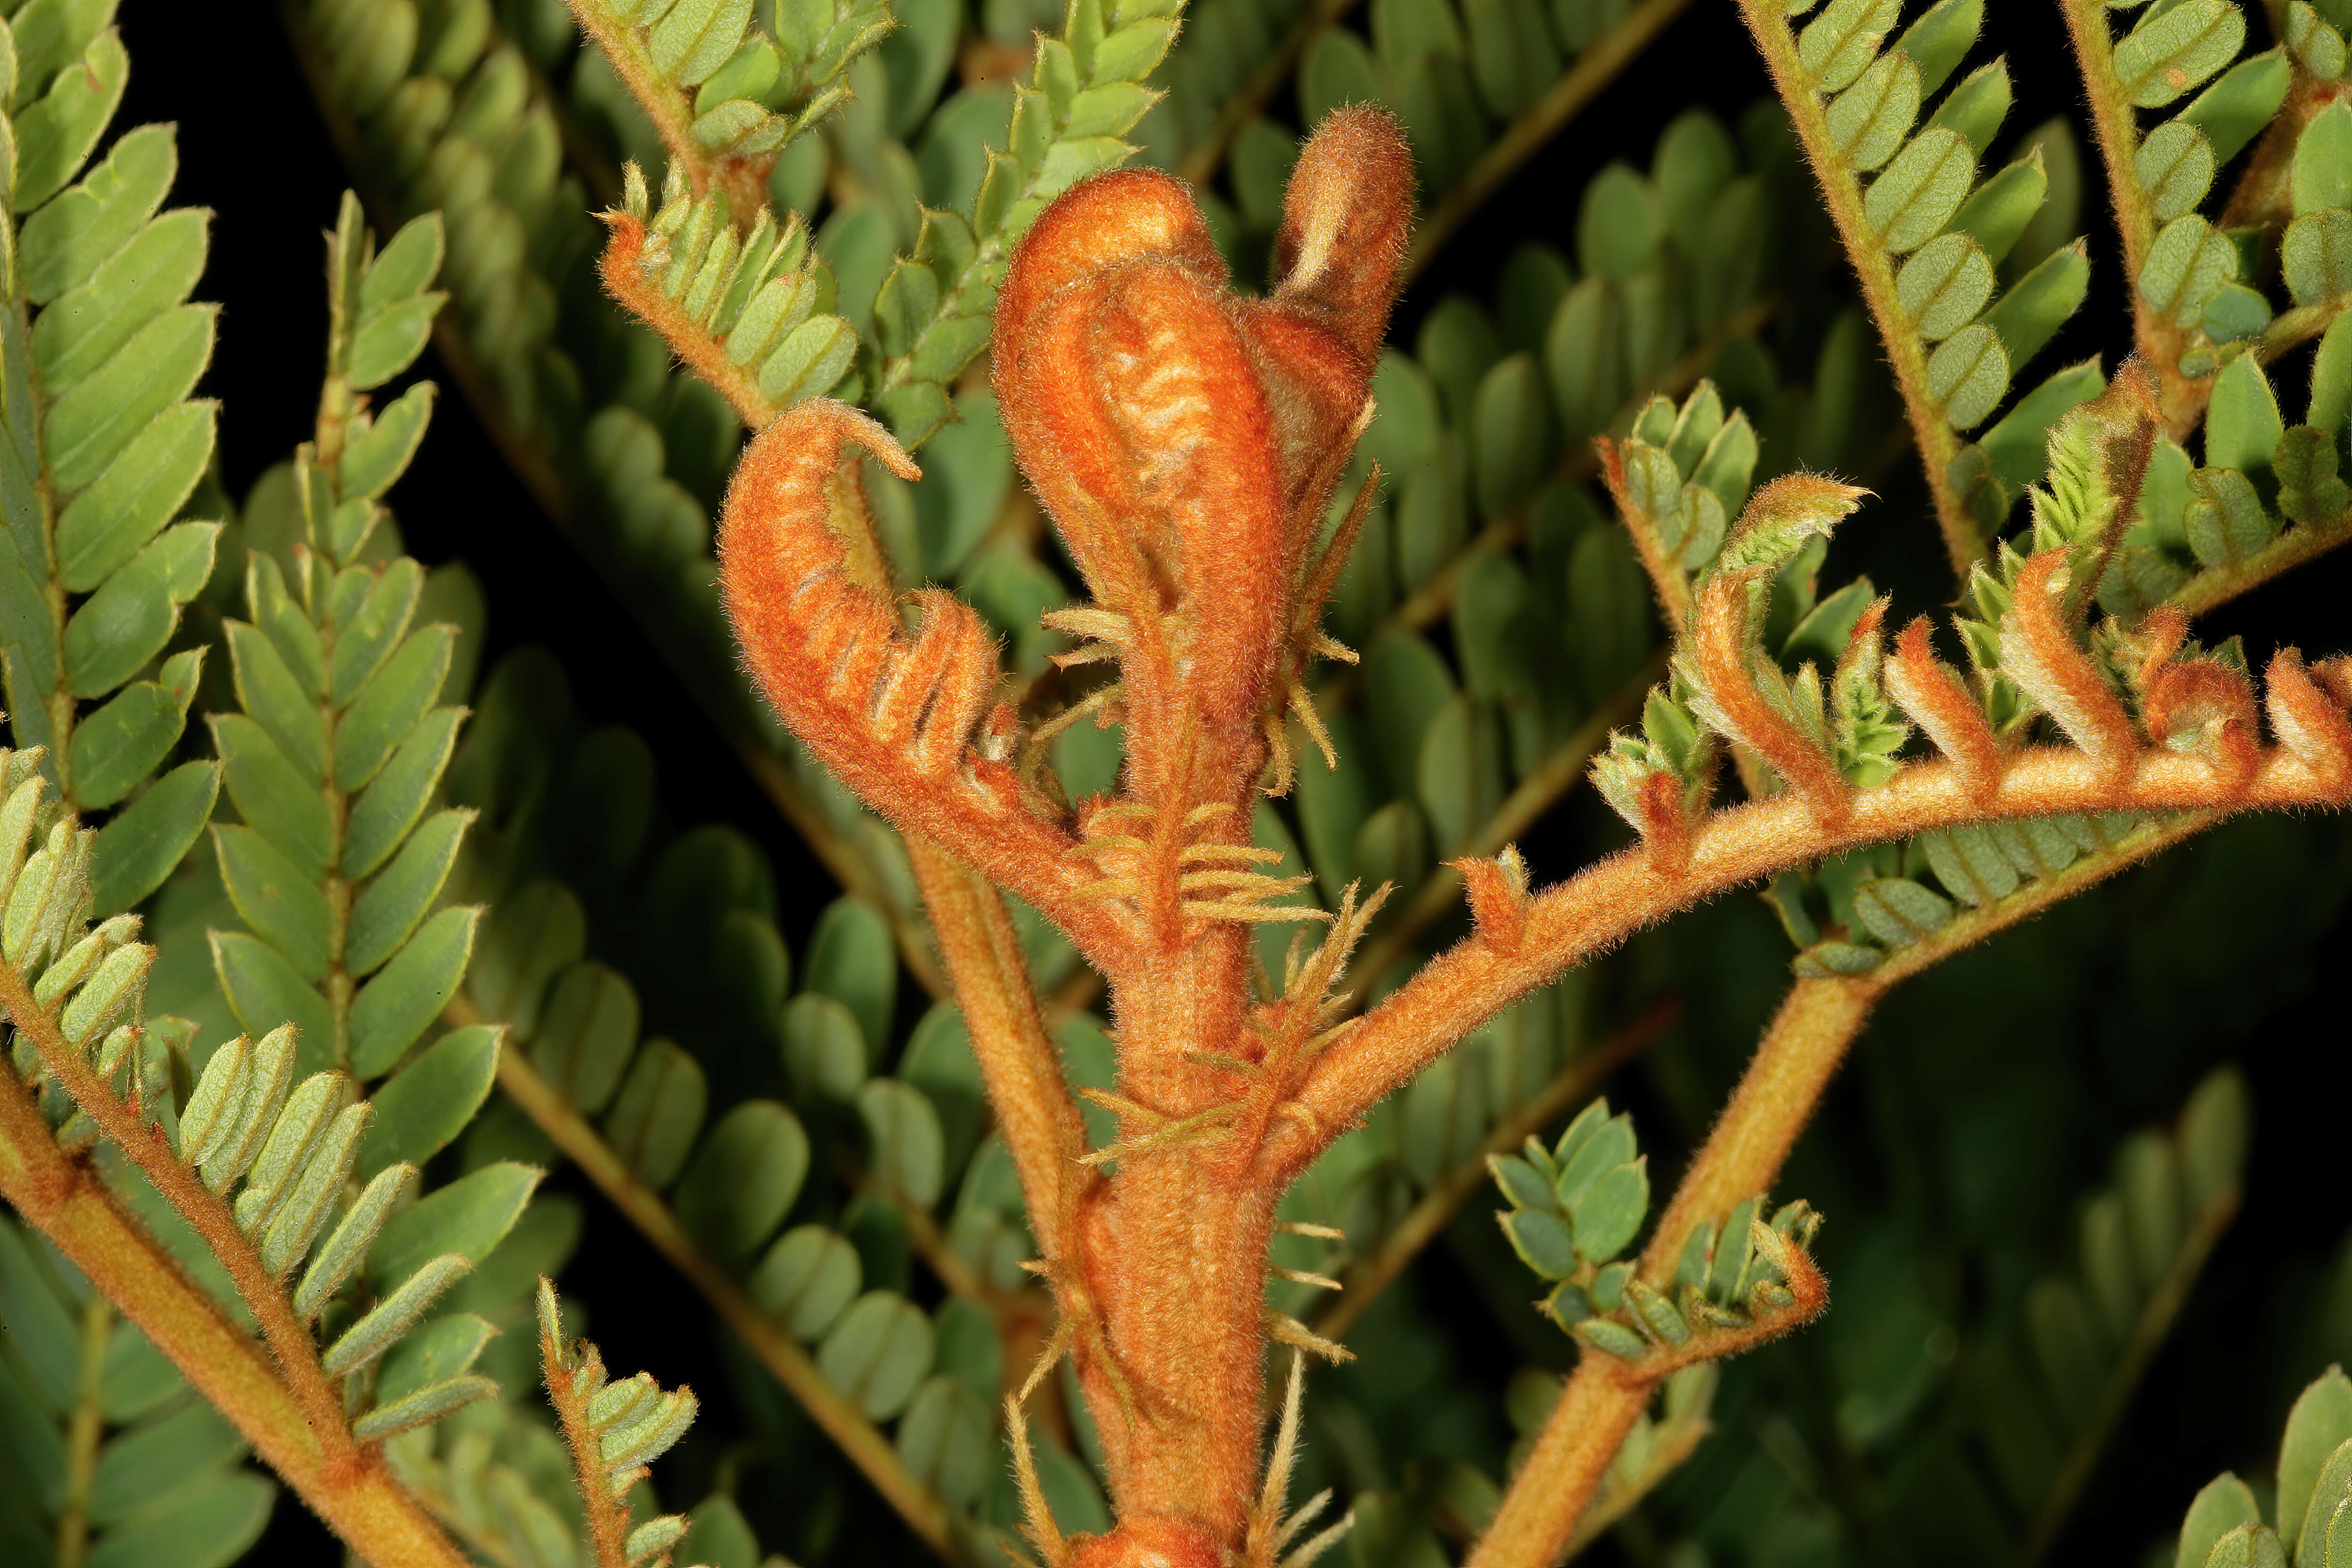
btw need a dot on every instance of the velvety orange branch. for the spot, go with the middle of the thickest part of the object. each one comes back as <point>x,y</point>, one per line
<point>1462,988</point>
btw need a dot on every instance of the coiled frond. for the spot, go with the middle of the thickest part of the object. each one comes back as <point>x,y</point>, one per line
<point>615,1431</point>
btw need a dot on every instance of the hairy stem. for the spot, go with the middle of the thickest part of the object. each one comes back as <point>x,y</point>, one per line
<point>65,1200</point>
<point>1462,988</point>
<point>1527,135</point>
<point>1842,190</point>
<point>288,1339</point>
<point>2117,130</point>
<point>1800,1052</point>
<point>2305,541</point>
<point>1035,1110</point>
<point>607,1516</point>
<point>842,1421</point>
<point>1569,1087</point>
<point>706,356</point>
<point>1552,777</point>
<point>1572,1455</point>
<point>671,111</point>
<point>1679,1441</point>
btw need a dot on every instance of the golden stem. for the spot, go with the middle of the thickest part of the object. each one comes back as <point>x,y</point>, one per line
<point>1459,990</point>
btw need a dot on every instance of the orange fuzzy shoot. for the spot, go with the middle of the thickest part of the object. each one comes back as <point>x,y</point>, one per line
<point>1187,443</point>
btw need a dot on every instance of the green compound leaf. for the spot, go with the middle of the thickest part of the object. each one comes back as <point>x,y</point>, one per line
<point>2243,426</point>
<point>121,743</point>
<point>2188,263</point>
<point>1608,1215</point>
<point>807,1279</point>
<point>586,1035</point>
<point>654,1118</point>
<point>275,899</point>
<point>2317,257</point>
<point>1869,120</point>
<point>395,1006</point>
<point>1945,285</point>
<point>1542,1240</point>
<point>1836,47</point>
<point>383,813</point>
<point>467,1219</point>
<point>420,1108</point>
<point>1968,373</point>
<point>2175,164</point>
<point>387,911</point>
<point>908,1152</point>
<point>391,705</point>
<point>2234,110</point>
<point>1920,190</point>
<point>1999,212</point>
<point>104,526</point>
<point>2320,1423</point>
<point>878,1353</point>
<point>744,1177</point>
<point>2173,50</point>
<point>945,1438</point>
<point>144,841</point>
<point>127,622</point>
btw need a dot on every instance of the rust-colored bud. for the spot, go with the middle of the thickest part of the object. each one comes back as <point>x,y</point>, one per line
<point>1148,1542</point>
<point>1184,440</point>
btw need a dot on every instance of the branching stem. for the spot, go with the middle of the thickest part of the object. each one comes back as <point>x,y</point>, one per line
<point>2291,548</point>
<point>1035,1113</point>
<point>1601,905</point>
<point>688,338</point>
<point>1552,777</point>
<point>569,1390</point>
<point>1800,1052</point>
<point>1875,270</point>
<point>671,110</point>
<point>1573,1453</point>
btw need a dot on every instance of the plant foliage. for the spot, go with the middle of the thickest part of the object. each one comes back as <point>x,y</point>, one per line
<point>1153,922</point>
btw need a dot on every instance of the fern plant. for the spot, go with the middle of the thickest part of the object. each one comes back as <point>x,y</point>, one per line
<point>1075,1018</point>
